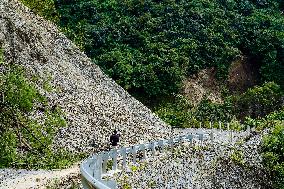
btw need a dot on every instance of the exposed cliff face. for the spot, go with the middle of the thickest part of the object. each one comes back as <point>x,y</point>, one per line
<point>93,103</point>
<point>203,85</point>
<point>242,74</point>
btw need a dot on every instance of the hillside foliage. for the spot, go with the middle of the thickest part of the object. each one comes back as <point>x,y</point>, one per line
<point>25,140</point>
<point>45,8</point>
<point>255,103</point>
<point>148,47</point>
<point>272,145</point>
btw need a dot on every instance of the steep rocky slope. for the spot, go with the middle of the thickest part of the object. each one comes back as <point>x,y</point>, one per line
<point>93,103</point>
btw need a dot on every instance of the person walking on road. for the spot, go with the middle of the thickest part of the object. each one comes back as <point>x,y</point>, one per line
<point>114,139</point>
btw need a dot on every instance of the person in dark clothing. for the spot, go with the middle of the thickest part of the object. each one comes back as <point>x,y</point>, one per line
<point>114,138</point>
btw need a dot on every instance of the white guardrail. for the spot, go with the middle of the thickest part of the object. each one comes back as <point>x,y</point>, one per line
<point>95,167</point>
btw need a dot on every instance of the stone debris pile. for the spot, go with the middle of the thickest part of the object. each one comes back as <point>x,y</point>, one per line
<point>194,166</point>
<point>93,103</point>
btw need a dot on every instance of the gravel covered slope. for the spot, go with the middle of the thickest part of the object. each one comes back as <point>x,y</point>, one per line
<point>94,104</point>
<point>212,165</point>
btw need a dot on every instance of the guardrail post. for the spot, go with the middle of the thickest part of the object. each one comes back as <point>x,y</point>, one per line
<point>134,154</point>
<point>171,142</point>
<point>210,123</point>
<point>152,146</point>
<point>231,135</point>
<point>161,144</point>
<point>200,137</point>
<point>142,148</point>
<point>230,132</point>
<point>105,157</point>
<point>189,138</point>
<point>200,124</point>
<point>114,160</point>
<point>124,155</point>
<point>181,138</point>
<point>248,128</point>
<point>97,172</point>
<point>220,125</point>
<point>212,136</point>
<point>228,126</point>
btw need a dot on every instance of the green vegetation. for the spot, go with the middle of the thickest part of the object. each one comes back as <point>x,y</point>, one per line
<point>23,140</point>
<point>151,184</point>
<point>45,8</point>
<point>273,158</point>
<point>125,182</point>
<point>273,152</point>
<point>256,102</point>
<point>176,113</point>
<point>207,110</point>
<point>148,47</point>
<point>266,122</point>
<point>134,168</point>
<point>109,165</point>
<point>272,144</point>
<point>237,157</point>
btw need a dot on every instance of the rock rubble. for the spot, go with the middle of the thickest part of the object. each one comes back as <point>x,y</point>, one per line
<point>211,165</point>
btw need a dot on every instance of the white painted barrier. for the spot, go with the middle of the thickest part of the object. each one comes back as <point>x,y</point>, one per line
<point>95,167</point>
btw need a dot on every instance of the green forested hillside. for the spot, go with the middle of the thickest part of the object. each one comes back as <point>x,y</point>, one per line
<point>148,47</point>
<point>23,139</point>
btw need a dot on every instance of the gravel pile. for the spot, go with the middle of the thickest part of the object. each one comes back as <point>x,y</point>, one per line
<point>212,165</point>
<point>93,103</point>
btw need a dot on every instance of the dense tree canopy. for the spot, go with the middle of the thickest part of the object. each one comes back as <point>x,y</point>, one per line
<point>150,46</point>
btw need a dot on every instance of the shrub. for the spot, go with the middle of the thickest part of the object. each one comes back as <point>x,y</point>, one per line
<point>176,113</point>
<point>273,153</point>
<point>18,93</point>
<point>25,142</point>
<point>258,101</point>
<point>237,156</point>
<point>45,8</point>
<point>267,122</point>
<point>276,115</point>
<point>208,111</point>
